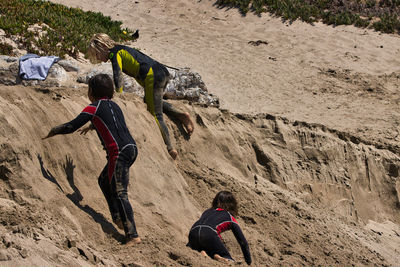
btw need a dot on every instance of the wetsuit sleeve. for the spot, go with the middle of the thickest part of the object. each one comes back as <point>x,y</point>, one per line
<point>70,127</point>
<point>116,62</point>
<point>242,242</point>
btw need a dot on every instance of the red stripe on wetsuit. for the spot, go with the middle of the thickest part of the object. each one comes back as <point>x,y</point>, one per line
<point>225,225</point>
<point>108,139</point>
<point>90,110</point>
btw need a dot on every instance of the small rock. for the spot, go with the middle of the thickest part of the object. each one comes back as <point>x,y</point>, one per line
<point>4,256</point>
<point>3,57</point>
<point>7,241</point>
<point>12,59</point>
<point>87,254</point>
<point>24,253</point>
<point>71,243</point>
<point>75,251</point>
<point>68,65</point>
<point>58,73</point>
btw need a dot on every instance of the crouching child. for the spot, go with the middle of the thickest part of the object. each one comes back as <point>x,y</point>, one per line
<point>205,234</point>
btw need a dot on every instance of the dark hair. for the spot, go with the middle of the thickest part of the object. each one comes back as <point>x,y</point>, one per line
<point>101,85</point>
<point>227,201</point>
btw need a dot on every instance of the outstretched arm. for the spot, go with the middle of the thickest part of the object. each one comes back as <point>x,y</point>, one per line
<point>71,126</point>
<point>57,130</point>
<point>116,62</point>
<point>242,242</point>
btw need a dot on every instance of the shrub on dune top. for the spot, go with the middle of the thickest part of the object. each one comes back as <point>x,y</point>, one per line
<point>334,12</point>
<point>63,30</point>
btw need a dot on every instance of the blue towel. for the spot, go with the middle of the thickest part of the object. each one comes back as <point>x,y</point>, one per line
<point>34,67</point>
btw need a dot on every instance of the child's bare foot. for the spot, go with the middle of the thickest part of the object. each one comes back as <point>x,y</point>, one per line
<point>221,259</point>
<point>203,253</point>
<point>133,241</point>
<point>173,153</point>
<point>187,122</point>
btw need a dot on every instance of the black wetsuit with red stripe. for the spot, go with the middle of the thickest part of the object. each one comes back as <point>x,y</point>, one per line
<point>205,234</point>
<point>108,120</point>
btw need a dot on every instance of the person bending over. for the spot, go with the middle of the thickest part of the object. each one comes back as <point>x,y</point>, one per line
<point>205,234</point>
<point>107,119</point>
<point>150,74</point>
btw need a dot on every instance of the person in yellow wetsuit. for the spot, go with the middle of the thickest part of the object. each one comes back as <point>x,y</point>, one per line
<point>149,73</point>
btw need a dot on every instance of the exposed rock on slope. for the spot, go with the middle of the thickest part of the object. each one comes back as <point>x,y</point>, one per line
<point>184,83</point>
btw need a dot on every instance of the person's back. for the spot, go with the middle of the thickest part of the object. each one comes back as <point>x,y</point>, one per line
<point>133,63</point>
<point>205,234</point>
<point>109,121</point>
<point>218,219</point>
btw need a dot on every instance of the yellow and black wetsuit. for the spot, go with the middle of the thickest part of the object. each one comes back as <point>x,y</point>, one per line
<point>150,74</point>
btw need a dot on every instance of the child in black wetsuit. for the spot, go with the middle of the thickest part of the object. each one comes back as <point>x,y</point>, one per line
<point>205,234</point>
<point>107,118</point>
<point>149,73</point>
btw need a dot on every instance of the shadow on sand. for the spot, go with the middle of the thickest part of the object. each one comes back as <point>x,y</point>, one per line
<point>77,197</point>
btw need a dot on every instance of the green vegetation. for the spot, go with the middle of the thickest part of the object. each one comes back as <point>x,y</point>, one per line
<point>68,30</point>
<point>6,49</point>
<point>382,15</point>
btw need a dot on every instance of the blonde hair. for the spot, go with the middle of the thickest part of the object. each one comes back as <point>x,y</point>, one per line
<point>99,46</point>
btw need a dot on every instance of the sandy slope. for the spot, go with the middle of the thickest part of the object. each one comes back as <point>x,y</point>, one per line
<point>302,188</point>
<point>343,77</point>
<point>323,190</point>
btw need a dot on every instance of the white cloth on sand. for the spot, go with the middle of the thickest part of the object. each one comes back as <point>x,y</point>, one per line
<point>34,67</point>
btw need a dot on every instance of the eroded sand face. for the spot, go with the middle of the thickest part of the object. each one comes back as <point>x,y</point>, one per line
<point>320,191</point>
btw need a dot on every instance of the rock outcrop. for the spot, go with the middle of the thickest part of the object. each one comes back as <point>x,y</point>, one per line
<point>183,84</point>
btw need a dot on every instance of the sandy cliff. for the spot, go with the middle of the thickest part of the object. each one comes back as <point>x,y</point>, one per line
<point>307,138</point>
<point>309,194</point>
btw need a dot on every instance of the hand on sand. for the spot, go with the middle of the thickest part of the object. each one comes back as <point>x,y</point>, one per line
<point>54,131</point>
<point>86,129</point>
<point>173,153</point>
<point>50,134</point>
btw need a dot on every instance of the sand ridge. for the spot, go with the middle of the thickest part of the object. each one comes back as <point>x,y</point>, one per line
<point>307,138</point>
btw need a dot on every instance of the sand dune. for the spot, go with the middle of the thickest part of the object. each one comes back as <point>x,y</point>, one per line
<point>307,138</point>
<point>303,188</point>
<point>304,72</point>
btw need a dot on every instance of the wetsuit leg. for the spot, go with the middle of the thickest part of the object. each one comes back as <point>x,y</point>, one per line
<point>108,194</point>
<point>154,90</point>
<point>169,109</point>
<point>119,184</point>
<point>194,239</point>
<point>212,244</point>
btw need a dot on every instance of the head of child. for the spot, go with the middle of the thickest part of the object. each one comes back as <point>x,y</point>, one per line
<point>100,86</point>
<point>227,201</point>
<point>99,47</point>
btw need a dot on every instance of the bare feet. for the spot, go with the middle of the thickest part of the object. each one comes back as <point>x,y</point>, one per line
<point>133,241</point>
<point>187,122</point>
<point>221,259</point>
<point>173,153</point>
<point>203,253</point>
